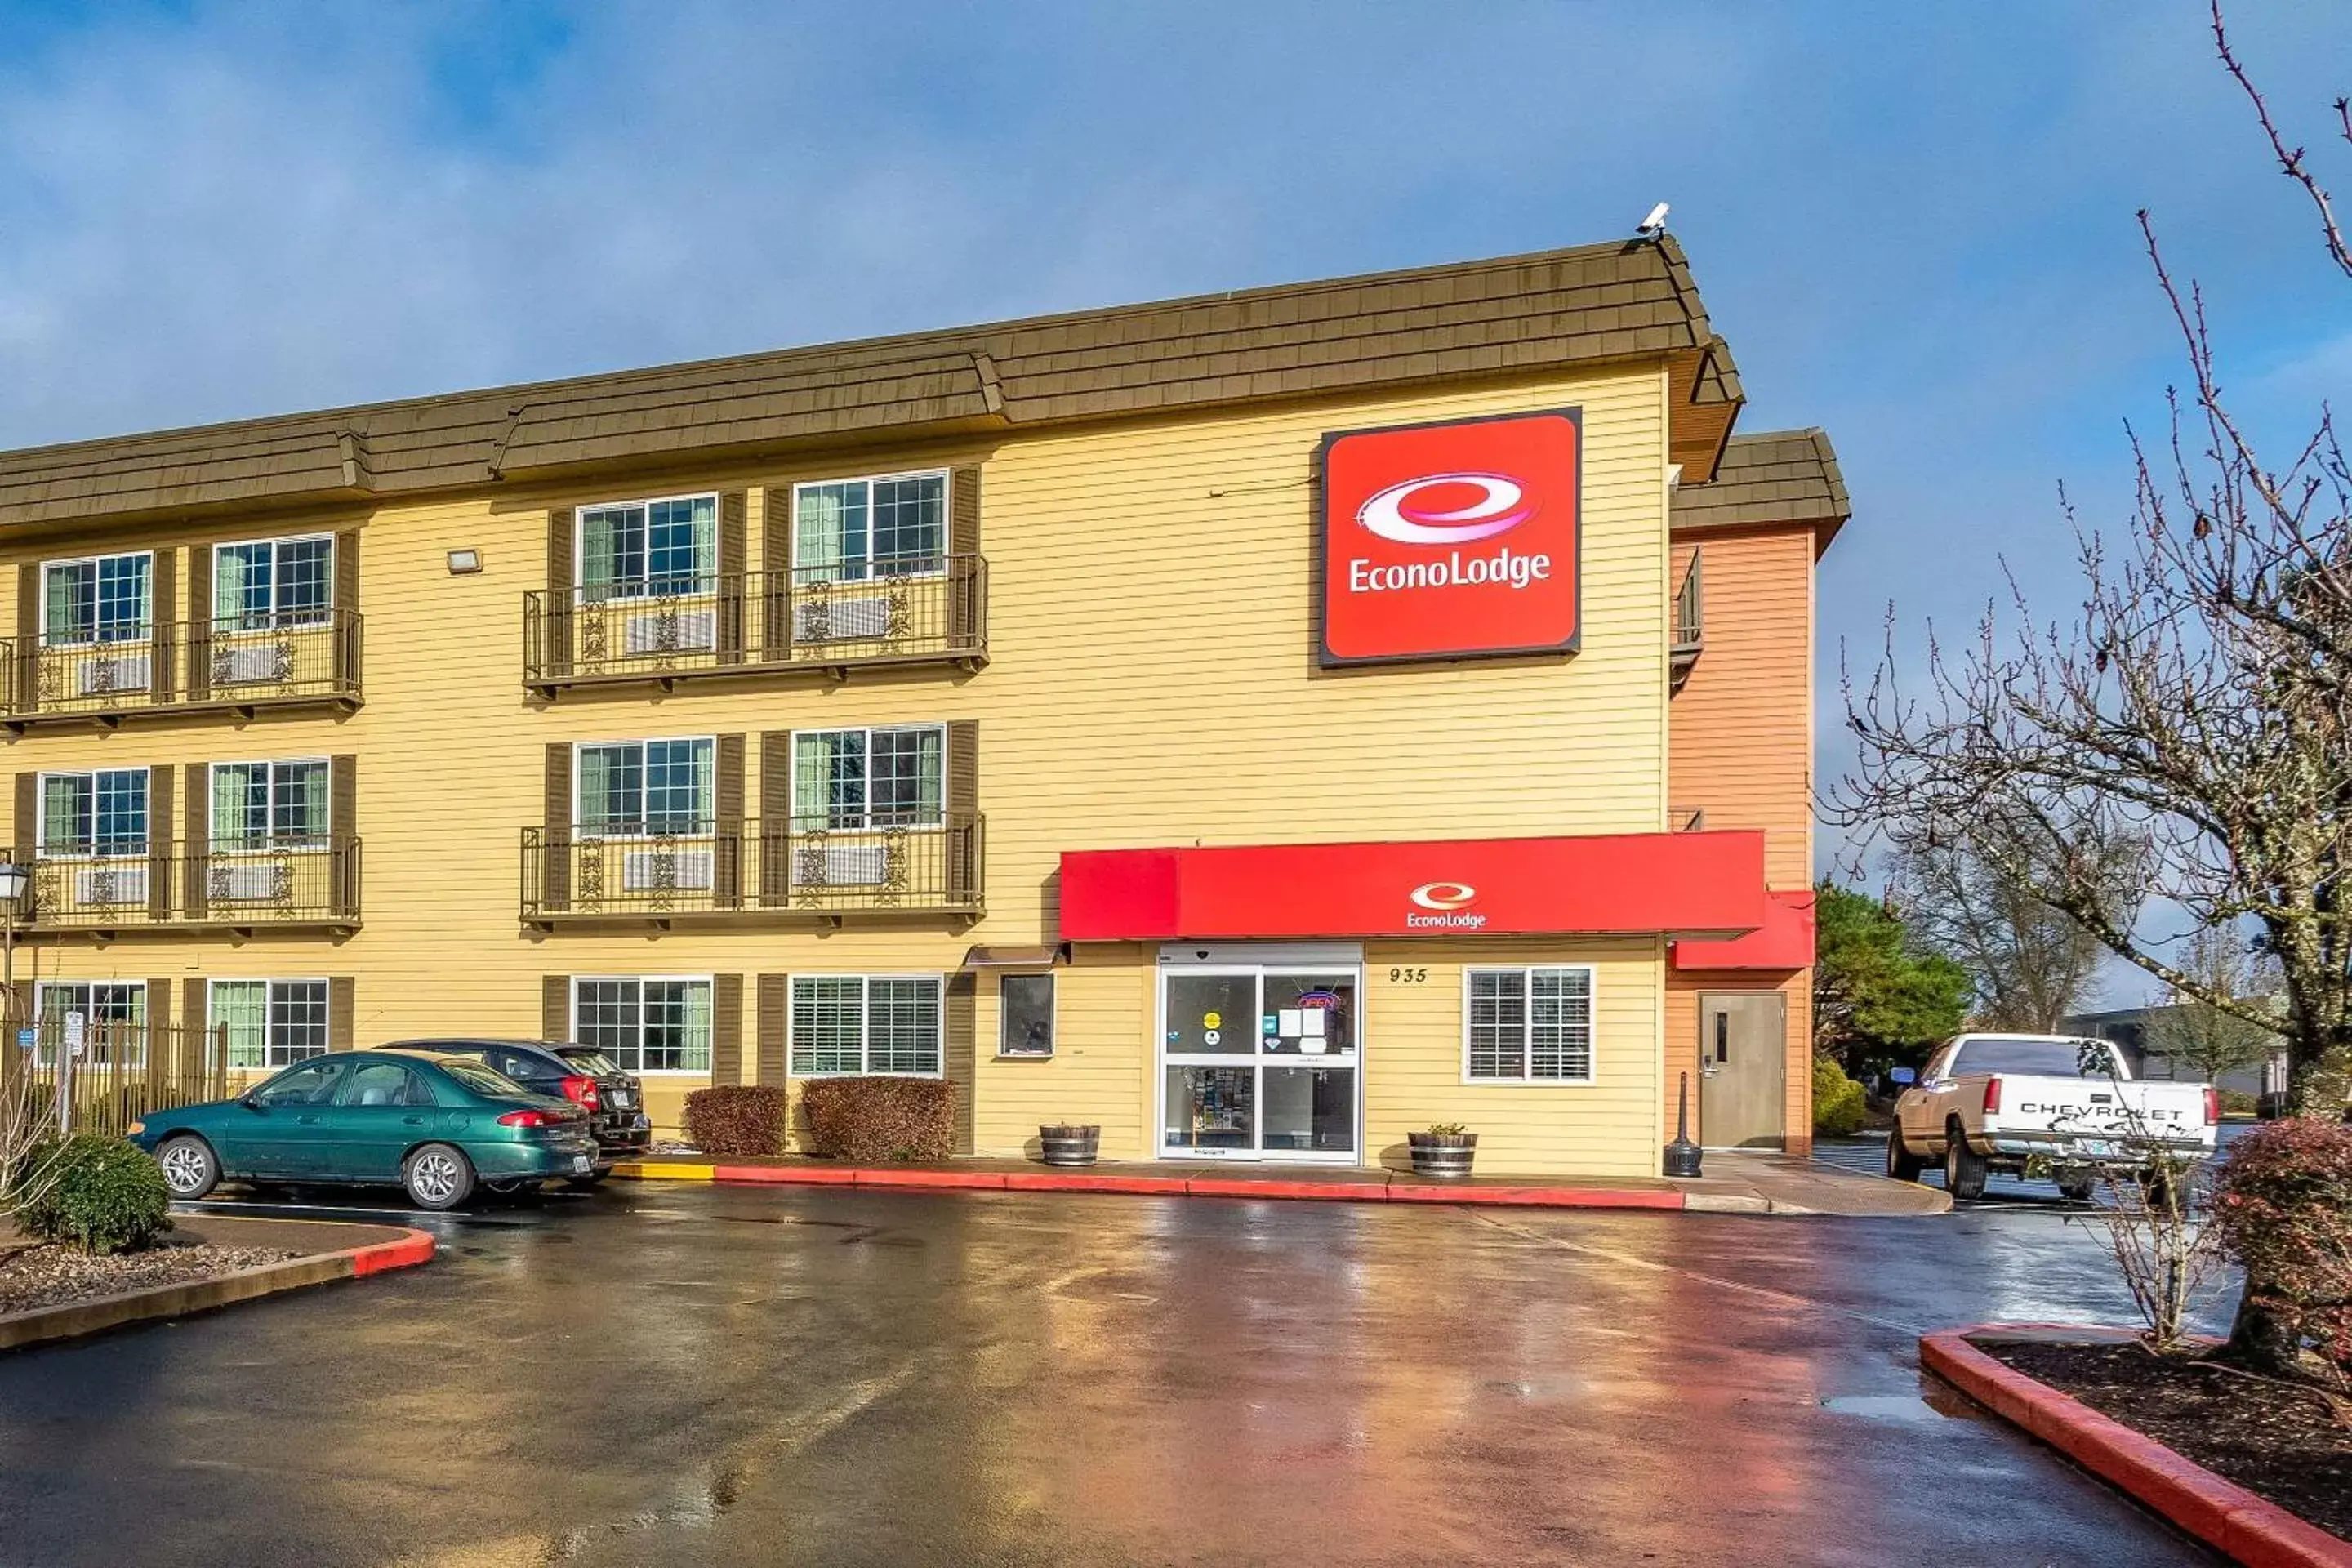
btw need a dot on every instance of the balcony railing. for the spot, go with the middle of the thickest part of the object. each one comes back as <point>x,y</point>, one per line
<point>804,867</point>
<point>163,886</point>
<point>1690,625</point>
<point>239,662</point>
<point>934,610</point>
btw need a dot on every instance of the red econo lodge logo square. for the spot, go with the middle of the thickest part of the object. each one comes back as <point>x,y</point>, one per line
<point>1441,541</point>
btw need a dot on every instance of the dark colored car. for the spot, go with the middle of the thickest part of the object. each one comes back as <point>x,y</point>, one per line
<point>433,1124</point>
<point>614,1099</point>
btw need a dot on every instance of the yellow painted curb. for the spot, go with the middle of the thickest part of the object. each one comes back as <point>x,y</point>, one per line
<point>664,1169</point>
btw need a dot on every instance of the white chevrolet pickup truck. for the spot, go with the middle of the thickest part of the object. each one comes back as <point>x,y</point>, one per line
<point>1992,1102</point>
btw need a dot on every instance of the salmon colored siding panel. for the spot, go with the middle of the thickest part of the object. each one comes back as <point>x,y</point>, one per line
<point>1742,723</point>
<point>1682,988</point>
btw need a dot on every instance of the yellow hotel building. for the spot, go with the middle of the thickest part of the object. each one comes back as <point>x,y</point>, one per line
<point>968,704</point>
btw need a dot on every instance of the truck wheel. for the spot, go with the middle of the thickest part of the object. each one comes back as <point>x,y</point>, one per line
<point>2078,1185</point>
<point>1964,1168</point>
<point>1902,1165</point>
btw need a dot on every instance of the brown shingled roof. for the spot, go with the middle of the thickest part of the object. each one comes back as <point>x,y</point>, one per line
<point>1776,476</point>
<point>1516,315</point>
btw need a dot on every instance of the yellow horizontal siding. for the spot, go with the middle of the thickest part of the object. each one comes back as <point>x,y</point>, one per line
<point>1152,681</point>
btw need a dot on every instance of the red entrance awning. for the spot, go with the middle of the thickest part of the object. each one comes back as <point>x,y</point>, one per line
<point>1688,884</point>
<point>1785,941</point>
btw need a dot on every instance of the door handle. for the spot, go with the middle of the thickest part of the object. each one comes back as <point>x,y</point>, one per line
<point>306,1120</point>
<point>413,1120</point>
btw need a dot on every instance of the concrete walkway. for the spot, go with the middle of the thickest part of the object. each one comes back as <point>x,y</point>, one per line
<point>1739,1182</point>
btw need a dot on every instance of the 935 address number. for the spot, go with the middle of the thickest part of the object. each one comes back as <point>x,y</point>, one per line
<point>1415,976</point>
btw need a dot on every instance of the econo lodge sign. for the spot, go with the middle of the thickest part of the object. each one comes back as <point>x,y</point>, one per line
<point>1451,540</point>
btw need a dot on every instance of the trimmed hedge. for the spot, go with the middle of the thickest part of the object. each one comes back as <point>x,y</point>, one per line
<point>103,1197</point>
<point>1837,1101</point>
<point>737,1120</point>
<point>869,1119</point>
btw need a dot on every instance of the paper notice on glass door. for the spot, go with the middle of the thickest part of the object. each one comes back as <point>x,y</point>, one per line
<point>1312,1017</point>
<point>1293,1023</point>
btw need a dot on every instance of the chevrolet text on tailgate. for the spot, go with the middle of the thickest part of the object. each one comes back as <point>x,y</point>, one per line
<point>1995,1102</point>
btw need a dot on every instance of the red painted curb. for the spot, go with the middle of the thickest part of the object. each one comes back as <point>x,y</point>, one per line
<point>413,1247</point>
<point>1051,1180</point>
<point>2217,1512</point>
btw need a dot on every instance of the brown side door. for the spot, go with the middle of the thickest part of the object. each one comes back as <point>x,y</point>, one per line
<point>1743,1054</point>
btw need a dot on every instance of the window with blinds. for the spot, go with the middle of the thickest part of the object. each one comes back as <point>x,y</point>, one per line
<point>848,1025</point>
<point>1529,1026</point>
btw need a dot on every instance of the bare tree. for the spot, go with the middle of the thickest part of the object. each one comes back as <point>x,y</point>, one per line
<point>2201,1034</point>
<point>2197,710</point>
<point>2030,963</point>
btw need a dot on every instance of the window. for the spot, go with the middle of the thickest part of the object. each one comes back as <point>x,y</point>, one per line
<point>633,550</point>
<point>645,1025</point>
<point>113,1018</point>
<point>867,778</point>
<point>850,530</point>
<point>384,1084</point>
<point>312,1085</point>
<point>1530,1025</point>
<point>844,1025</point>
<point>101,600</point>
<point>272,582</point>
<point>96,813</point>
<point>642,786</point>
<point>269,806</point>
<point>270,1023</point>
<point>1025,1010</point>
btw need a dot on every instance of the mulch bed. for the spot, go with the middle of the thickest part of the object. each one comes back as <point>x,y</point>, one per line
<point>2277,1440</point>
<point>34,1277</point>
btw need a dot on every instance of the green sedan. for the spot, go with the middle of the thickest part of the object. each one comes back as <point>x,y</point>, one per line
<point>435,1124</point>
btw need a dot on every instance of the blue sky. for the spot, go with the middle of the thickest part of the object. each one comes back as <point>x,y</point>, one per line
<point>1912,222</point>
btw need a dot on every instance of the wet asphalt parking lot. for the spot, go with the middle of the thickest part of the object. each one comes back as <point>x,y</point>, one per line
<point>680,1374</point>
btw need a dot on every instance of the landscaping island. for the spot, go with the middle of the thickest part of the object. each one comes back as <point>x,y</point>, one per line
<point>2282,1441</point>
<point>35,1274</point>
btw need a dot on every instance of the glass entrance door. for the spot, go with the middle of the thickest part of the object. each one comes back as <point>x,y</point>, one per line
<point>1259,1063</point>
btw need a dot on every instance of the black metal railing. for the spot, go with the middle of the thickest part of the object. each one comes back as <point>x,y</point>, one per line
<point>229,662</point>
<point>803,865</point>
<point>909,611</point>
<point>287,884</point>
<point>1690,623</point>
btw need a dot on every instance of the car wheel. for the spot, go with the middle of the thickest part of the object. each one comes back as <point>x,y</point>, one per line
<point>1902,1165</point>
<point>190,1169</point>
<point>438,1178</point>
<point>1964,1168</point>
<point>2078,1185</point>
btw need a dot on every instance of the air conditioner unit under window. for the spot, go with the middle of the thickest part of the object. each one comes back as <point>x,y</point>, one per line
<point>841,620</point>
<point>672,631</point>
<point>103,885</point>
<point>843,865</point>
<point>245,881</point>
<point>252,664</point>
<point>112,672</point>
<point>644,870</point>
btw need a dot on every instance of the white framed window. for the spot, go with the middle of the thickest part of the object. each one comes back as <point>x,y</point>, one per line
<point>1025,1014</point>
<point>869,778</point>
<point>845,530</point>
<point>113,1016</point>
<point>642,549</point>
<point>270,1022</point>
<point>844,1025</point>
<point>626,789</point>
<point>270,805</point>
<point>96,599</point>
<point>100,815</point>
<point>1528,1024</point>
<point>647,1024</point>
<point>258,583</point>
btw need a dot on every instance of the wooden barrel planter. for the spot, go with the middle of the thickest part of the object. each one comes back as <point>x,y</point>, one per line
<point>1068,1144</point>
<point>1445,1155</point>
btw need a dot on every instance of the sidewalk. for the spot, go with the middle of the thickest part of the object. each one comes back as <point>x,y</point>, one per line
<point>1737,1184</point>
